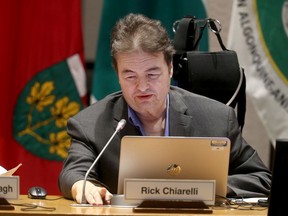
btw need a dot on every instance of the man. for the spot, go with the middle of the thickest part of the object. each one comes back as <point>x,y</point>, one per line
<point>142,56</point>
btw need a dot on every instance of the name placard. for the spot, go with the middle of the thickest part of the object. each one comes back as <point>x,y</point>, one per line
<point>9,187</point>
<point>170,189</point>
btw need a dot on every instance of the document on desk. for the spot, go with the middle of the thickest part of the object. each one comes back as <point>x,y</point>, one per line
<point>4,172</point>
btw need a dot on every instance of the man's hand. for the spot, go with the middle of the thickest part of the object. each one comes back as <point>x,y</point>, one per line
<point>94,195</point>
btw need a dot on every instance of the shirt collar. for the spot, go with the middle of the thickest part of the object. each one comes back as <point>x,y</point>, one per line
<point>133,118</point>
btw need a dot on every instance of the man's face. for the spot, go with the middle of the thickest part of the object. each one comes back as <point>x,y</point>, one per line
<point>145,81</point>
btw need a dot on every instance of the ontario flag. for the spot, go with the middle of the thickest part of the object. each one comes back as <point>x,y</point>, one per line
<point>42,84</point>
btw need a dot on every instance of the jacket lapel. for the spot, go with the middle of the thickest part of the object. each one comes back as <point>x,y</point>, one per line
<point>121,112</point>
<point>180,122</point>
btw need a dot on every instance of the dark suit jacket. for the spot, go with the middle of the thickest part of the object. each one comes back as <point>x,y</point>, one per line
<point>190,115</point>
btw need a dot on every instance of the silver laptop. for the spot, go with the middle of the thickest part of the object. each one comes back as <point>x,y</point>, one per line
<point>201,158</point>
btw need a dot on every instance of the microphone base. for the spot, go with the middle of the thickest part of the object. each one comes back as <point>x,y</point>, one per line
<point>82,205</point>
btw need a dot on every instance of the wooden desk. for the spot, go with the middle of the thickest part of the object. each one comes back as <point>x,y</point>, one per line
<point>63,208</point>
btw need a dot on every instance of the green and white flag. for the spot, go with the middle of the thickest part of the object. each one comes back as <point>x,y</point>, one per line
<point>167,11</point>
<point>259,35</point>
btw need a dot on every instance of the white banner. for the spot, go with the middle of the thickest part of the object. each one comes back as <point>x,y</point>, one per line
<point>259,34</point>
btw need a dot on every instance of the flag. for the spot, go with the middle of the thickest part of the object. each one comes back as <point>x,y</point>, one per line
<point>42,84</point>
<point>167,11</point>
<point>259,34</point>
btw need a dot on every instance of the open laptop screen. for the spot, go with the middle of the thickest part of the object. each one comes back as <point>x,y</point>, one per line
<point>201,158</point>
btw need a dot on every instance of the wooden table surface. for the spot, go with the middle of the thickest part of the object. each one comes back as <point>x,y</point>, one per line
<point>63,206</point>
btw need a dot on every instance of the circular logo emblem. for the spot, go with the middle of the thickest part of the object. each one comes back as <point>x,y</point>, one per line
<point>273,18</point>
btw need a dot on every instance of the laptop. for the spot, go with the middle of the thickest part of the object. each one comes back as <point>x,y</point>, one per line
<point>152,157</point>
<point>277,200</point>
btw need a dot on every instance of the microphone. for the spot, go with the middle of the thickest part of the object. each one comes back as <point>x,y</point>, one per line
<point>119,127</point>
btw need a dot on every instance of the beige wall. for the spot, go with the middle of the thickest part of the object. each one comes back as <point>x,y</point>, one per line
<point>254,131</point>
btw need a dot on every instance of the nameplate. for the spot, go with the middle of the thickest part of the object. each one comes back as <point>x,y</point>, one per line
<point>170,189</point>
<point>9,187</point>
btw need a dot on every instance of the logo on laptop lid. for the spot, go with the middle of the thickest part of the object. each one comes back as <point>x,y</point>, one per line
<point>174,169</point>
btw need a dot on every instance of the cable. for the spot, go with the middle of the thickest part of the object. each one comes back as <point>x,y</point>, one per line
<point>33,207</point>
<point>239,204</point>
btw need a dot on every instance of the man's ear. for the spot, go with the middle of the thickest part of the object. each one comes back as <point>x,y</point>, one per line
<point>171,70</point>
